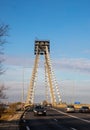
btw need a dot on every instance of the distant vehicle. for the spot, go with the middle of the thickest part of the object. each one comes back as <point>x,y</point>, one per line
<point>48,106</point>
<point>39,110</point>
<point>29,109</point>
<point>84,109</point>
<point>70,108</point>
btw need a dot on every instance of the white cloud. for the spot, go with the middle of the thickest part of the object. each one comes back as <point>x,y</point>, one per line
<point>82,65</point>
<point>73,64</point>
<point>14,75</point>
<point>87,51</point>
<point>19,61</point>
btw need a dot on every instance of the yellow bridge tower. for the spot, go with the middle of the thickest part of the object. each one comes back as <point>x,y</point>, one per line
<point>52,89</point>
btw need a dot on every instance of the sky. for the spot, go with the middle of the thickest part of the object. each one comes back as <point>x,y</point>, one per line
<point>66,23</point>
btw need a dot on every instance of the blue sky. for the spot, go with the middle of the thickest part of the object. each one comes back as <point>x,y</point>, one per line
<point>66,23</point>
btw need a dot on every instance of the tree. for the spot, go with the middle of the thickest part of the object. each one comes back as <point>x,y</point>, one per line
<point>3,33</point>
<point>45,103</point>
<point>2,95</point>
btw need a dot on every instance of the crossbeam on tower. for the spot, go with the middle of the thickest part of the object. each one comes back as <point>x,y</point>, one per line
<point>43,48</point>
<point>40,47</point>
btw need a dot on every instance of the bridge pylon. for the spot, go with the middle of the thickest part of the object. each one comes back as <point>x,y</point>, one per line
<point>52,88</point>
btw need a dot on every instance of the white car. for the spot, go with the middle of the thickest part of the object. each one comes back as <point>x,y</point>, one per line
<point>70,108</point>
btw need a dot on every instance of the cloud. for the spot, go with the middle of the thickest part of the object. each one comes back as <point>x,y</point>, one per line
<point>71,64</point>
<point>19,61</point>
<point>14,76</point>
<point>87,51</point>
<point>80,64</point>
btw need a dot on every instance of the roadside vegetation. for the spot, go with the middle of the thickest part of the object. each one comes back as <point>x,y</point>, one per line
<point>10,110</point>
<point>3,33</point>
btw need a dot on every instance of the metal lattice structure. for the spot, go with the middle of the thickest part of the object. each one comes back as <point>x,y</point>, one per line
<point>52,89</point>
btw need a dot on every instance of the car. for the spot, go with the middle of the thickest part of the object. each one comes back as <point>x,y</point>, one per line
<point>29,109</point>
<point>84,109</point>
<point>39,110</point>
<point>70,108</point>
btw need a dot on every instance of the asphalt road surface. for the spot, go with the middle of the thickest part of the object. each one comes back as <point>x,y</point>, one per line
<point>55,120</point>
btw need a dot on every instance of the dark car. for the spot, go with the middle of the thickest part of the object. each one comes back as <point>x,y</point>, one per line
<point>39,110</point>
<point>84,109</point>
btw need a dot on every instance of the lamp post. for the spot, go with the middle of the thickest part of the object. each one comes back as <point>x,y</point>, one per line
<point>23,86</point>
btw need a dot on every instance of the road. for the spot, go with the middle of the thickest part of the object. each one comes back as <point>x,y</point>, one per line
<point>55,119</point>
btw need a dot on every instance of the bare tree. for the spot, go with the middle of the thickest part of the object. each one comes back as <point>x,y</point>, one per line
<point>3,33</point>
<point>2,95</point>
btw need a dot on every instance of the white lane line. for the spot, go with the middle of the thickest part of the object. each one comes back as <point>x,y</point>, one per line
<point>87,121</point>
<point>27,128</point>
<point>24,120</point>
<point>55,119</point>
<point>73,129</point>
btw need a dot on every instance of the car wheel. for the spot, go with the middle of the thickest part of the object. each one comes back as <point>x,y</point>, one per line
<point>35,114</point>
<point>44,114</point>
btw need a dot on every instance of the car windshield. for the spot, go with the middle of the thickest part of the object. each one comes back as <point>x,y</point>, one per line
<point>39,107</point>
<point>70,106</point>
<point>85,107</point>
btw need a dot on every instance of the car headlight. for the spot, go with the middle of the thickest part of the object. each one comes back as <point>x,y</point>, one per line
<point>35,111</point>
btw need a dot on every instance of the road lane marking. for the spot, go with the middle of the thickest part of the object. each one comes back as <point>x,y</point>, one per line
<point>73,129</point>
<point>27,128</point>
<point>55,120</point>
<point>87,121</point>
<point>24,120</point>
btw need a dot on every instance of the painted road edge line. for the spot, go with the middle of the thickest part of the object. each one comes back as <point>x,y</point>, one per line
<point>87,121</point>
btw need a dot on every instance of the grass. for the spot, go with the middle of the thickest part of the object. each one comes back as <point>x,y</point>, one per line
<point>7,115</point>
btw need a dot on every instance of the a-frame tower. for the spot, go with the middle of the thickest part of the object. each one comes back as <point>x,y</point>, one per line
<point>43,48</point>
